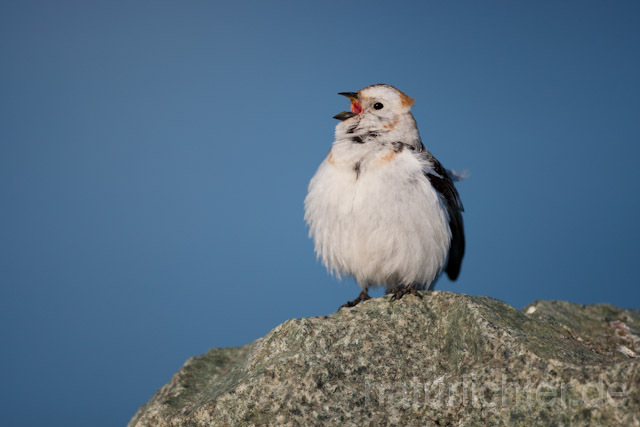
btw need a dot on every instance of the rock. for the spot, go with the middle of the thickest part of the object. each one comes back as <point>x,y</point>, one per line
<point>437,360</point>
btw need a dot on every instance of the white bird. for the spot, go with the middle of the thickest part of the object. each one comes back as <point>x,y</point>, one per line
<point>381,208</point>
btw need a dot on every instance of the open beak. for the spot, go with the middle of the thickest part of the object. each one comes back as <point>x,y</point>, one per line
<point>356,107</point>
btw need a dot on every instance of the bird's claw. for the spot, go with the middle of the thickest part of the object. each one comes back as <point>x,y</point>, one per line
<point>362,297</point>
<point>398,293</point>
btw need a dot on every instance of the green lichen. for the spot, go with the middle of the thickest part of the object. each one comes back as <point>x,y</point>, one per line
<point>385,361</point>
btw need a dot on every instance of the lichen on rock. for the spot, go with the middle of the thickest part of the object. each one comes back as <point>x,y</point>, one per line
<point>441,359</point>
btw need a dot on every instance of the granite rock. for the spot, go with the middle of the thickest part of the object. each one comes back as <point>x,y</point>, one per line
<point>442,359</point>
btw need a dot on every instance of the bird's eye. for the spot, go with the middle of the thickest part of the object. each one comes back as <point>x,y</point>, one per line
<point>378,106</point>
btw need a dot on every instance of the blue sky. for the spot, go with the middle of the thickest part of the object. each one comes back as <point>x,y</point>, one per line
<point>154,159</point>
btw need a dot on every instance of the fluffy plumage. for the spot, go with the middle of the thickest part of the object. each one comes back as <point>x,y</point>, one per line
<point>381,208</point>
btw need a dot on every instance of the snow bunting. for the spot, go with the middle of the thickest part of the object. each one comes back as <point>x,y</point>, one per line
<point>381,208</point>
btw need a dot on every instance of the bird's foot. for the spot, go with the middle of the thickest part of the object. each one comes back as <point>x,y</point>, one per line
<point>362,297</point>
<point>398,293</point>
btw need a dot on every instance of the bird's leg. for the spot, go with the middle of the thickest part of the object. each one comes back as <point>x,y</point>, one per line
<point>398,293</point>
<point>362,297</point>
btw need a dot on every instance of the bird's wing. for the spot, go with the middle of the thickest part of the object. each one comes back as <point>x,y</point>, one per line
<point>441,181</point>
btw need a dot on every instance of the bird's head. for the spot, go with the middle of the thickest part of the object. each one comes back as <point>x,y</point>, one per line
<point>377,107</point>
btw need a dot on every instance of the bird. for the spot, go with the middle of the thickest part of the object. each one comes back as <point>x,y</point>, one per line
<point>380,207</point>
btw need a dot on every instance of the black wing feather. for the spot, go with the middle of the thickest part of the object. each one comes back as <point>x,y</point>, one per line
<point>443,184</point>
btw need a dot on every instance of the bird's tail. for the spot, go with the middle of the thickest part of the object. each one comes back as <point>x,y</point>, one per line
<point>458,176</point>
